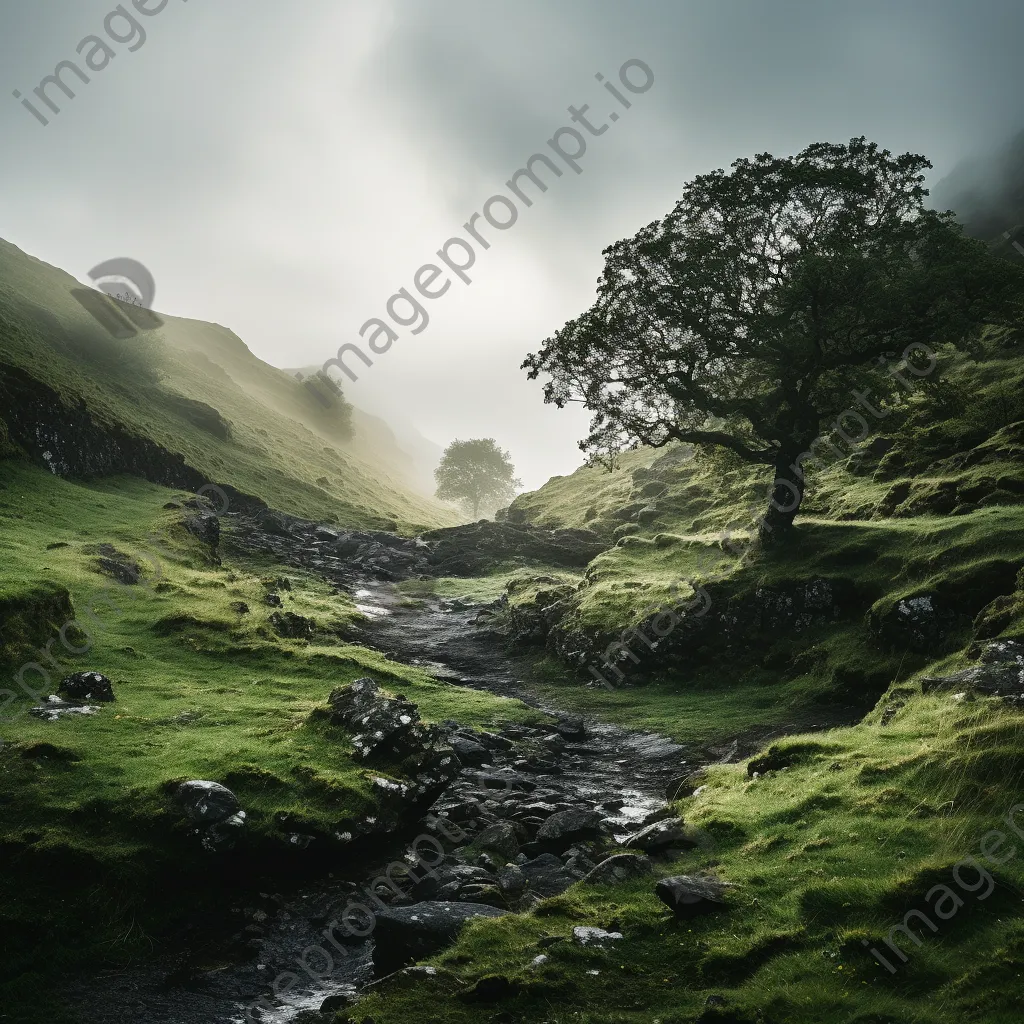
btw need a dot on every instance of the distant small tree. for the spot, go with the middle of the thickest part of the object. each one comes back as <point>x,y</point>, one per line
<point>750,314</point>
<point>478,474</point>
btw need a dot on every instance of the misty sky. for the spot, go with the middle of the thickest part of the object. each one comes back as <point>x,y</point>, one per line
<point>284,168</point>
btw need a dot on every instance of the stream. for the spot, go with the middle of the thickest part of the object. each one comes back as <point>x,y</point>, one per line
<point>596,766</point>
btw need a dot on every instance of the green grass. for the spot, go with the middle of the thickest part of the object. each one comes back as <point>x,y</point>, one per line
<point>833,849</point>
<point>202,692</point>
<point>283,446</point>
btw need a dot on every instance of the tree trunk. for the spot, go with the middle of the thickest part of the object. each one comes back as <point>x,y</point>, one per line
<point>787,493</point>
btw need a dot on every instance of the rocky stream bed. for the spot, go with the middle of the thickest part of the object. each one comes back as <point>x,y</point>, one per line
<point>524,813</point>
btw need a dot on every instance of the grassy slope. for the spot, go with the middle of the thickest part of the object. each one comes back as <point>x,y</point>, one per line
<point>202,692</point>
<point>833,850</point>
<point>284,447</point>
<point>841,845</point>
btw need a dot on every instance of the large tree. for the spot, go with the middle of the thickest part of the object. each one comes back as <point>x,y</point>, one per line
<point>746,317</point>
<point>476,473</point>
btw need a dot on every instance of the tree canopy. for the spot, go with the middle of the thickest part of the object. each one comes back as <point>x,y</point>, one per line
<point>476,473</point>
<point>747,317</point>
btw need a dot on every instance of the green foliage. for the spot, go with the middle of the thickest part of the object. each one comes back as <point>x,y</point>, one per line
<point>478,474</point>
<point>746,317</point>
<point>203,690</point>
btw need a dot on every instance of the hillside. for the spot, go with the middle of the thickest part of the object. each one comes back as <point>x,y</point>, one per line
<point>195,391</point>
<point>668,773</point>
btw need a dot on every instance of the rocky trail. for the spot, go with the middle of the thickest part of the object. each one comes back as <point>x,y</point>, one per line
<point>529,811</point>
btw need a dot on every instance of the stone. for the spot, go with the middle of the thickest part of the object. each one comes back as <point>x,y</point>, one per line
<point>382,725</point>
<point>207,802</point>
<point>546,875</point>
<point>85,686</point>
<point>1001,673</point>
<point>571,727</point>
<point>292,626</point>
<point>564,828</point>
<point>469,751</point>
<point>512,879</point>
<point>205,527</point>
<point>500,838</point>
<point>620,867</point>
<point>661,835</point>
<point>690,895</point>
<point>404,934</point>
<point>214,809</point>
<point>584,935</point>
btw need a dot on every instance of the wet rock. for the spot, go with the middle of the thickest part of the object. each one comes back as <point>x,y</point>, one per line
<point>470,752</point>
<point>690,895</point>
<point>546,875</point>
<point>501,838</point>
<point>620,867</point>
<point>512,879</point>
<point>86,686</point>
<point>403,934</point>
<point>214,809</point>
<point>382,724</point>
<point>571,727</point>
<point>564,828</point>
<point>661,836</point>
<point>506,781</point>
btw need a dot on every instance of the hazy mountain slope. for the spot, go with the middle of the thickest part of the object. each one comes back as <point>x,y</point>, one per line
<point>263,433</point>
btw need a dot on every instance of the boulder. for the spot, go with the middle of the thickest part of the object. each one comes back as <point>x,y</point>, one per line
<point>564,828</point>
<point>207,802</point>
<point>205,527</point>
<point>1001,673</point>
<point>292,626</point>
<point>404,934</point>
<point>546,875</point>
<point>86,686</point>
<point>501,838</point>
<point>660,836</point>
<point>512,879</point>
<point>214,809</point>
<point>571,727</point>
<point>382,725</point>
<point>469,751</point>
<point>690,895</point>
<point>620,867</point>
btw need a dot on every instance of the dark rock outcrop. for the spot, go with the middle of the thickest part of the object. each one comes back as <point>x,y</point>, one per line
<point>404,934</point>
<point>564,828</point>
<point>473,549</point>
<point>214,810</point>
<point>620,867</point>
<point>86,686</point>
<point>691,895</point>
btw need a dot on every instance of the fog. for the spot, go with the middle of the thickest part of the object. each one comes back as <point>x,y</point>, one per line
<point>284,170</point>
